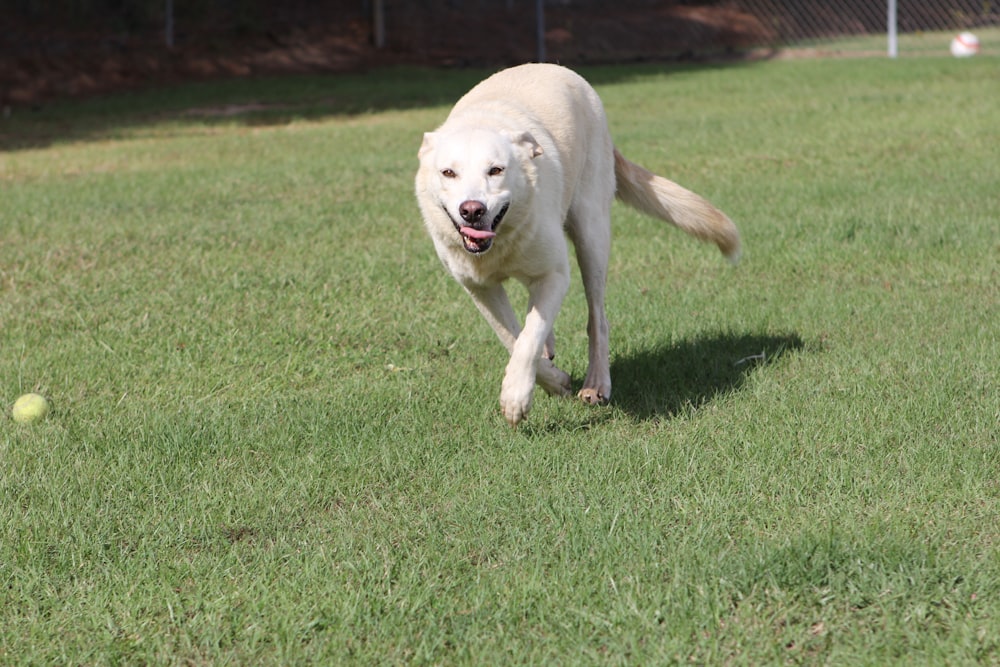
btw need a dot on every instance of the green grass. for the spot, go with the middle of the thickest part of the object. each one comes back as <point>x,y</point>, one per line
<point>275,436</point>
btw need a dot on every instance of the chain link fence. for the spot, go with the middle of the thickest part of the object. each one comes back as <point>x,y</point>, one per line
<point>591,31</point>
<point>51,48</point>
<point>823,27</point>
<point>731,23</point>
<point>924,27</point>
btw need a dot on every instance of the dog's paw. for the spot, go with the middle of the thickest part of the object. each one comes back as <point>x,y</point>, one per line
<point>553,379</point>
<point>514,412</point>
<point>595,395</point>
<point>596,386</point>
<point>514,408</point>
<point>515,398</point>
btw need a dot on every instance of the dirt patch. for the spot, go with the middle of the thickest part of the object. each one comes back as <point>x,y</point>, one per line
<point>48,62</point>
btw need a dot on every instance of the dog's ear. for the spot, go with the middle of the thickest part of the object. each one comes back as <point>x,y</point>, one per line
<point>427,144</point>
<point>527,141</point>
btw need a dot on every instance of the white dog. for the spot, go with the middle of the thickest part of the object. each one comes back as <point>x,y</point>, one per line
<point>524,159</point>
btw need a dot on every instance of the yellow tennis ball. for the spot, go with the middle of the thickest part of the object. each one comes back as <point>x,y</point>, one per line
<point>30,408</point>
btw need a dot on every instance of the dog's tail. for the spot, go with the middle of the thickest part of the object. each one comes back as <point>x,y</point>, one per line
<point>664,199</point>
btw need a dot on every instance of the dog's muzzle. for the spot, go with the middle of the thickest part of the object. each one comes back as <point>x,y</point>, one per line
<point>477,232</point>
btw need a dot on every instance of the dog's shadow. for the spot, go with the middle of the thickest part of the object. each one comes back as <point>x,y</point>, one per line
<point>660,382</point>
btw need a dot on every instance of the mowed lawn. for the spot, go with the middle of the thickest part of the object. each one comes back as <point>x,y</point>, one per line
<point>275,435</point>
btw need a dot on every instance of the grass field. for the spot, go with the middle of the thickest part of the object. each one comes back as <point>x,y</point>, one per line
<point>935,43</point>
<point>275,436</point>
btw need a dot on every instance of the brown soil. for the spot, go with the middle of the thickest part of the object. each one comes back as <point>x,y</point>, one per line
<point>50,62</point>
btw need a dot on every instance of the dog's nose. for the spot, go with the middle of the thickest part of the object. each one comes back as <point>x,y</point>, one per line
<point>472,211</point>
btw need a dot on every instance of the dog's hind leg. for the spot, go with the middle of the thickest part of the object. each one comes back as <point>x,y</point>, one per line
<point>590,230</point>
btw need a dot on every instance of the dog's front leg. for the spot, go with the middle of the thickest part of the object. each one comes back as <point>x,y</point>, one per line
<point>527,363</point>
<point>491,300</point>
<point>529,367</point>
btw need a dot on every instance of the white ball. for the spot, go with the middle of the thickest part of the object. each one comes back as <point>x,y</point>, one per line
<point>964,45</point>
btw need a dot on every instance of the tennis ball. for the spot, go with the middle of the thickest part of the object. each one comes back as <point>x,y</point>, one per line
<point>30,408</point>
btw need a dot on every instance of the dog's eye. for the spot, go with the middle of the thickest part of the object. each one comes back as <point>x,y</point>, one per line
<point>448,173</point>
<point>495,171</point>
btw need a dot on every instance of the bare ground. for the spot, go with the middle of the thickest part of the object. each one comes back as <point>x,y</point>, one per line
<point>53,61</point>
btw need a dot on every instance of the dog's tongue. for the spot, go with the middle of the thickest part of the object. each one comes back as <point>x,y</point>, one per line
<point>480,234</point>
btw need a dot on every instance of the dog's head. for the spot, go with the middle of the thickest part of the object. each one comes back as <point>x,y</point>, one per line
<point>475,174</point>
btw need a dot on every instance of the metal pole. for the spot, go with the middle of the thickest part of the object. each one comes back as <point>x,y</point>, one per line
<point>540,26</point>
<point>168,29</point>
<point>379,21</point>
<point>893,38</point>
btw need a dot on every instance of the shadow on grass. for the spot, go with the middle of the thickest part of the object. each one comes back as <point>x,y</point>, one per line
<point>664,380</point>
<point>276,100</point>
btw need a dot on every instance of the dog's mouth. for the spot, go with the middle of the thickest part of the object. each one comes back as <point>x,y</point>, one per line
<point>477,239</point>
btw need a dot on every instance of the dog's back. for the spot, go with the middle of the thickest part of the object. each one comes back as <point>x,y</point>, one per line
<point>550,100</point>
<point>554,100</point>
<point>559,98</point>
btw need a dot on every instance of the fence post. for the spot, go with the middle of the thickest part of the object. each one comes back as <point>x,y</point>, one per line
<point>891,24</point>
<point>378,19</point>
<point>168,28</point>
<point>540,27</point>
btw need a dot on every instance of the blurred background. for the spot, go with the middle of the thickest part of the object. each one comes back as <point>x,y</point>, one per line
<point>58,48</point>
